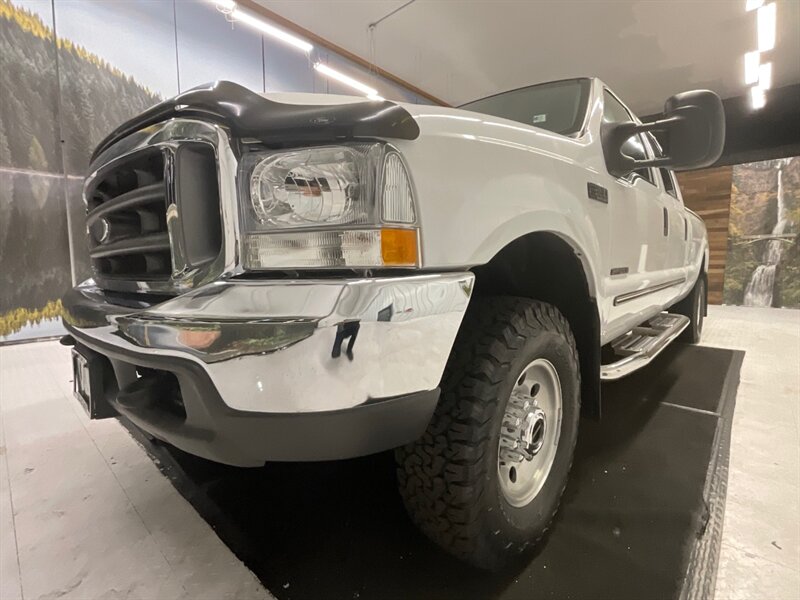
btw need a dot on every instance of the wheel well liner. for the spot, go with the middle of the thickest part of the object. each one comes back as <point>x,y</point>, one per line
<point>545,267</point>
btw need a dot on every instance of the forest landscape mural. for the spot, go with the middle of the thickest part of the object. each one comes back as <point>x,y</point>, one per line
<point>41,175</point>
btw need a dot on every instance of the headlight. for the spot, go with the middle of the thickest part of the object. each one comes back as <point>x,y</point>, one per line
<point>319,186</point>
<point>331,206</point>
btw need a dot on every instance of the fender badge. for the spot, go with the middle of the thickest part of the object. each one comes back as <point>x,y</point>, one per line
<point>597,192</point>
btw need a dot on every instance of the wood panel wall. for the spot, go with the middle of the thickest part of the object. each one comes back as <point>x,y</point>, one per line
<point>708,193</point>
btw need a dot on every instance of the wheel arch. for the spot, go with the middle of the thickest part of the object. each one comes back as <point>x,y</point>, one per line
<point>546,266</point>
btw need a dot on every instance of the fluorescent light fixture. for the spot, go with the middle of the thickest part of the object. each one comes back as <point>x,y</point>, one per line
<point>765,76</point>
<point>263,26</point>
<point>753,4</point>
<point>767,18</point>
<point>751,66</point>
<point>225,4</point>
<point>345,79</point>
<point>757,97</point>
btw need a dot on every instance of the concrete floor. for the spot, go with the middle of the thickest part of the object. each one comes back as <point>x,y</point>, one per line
<point>760,555</point>
<point>84,513</point>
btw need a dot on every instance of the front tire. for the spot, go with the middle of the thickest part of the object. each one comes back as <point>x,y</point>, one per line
<point>486,478</point>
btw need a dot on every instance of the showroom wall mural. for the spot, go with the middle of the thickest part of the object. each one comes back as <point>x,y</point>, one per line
<point>64,87</point>
<point>34,248</point>
<point>763,266</point>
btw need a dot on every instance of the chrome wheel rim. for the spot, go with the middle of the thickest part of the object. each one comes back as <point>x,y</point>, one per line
<point>530,432</point>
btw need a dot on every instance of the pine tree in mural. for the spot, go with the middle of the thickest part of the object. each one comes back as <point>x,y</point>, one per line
<point>5,150</point>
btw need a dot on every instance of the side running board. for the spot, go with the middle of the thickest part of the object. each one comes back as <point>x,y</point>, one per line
<point>642,344</point>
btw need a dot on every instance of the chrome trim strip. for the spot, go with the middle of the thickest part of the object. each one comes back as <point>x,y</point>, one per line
<point>169,135</point>
<point>627,297</point>
<point>214,341</point>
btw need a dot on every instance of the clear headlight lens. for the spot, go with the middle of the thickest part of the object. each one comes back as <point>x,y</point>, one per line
<point>316,186</point>
<point>343,198</point>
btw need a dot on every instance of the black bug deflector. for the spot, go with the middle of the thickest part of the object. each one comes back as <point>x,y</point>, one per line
<point>250,115</point>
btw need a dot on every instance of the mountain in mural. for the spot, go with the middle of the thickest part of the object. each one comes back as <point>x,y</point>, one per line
<point>763,265</point>
<point>50,120</point>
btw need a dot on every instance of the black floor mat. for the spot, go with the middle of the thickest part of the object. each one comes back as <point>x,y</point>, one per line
<point>632,513</point>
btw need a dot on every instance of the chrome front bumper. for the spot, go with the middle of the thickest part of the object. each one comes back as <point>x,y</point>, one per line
<point>243,372</point>
<point>291,346</point>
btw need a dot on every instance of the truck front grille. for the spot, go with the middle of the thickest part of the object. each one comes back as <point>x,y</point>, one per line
<point>154,215</point>
<point>127,218</point>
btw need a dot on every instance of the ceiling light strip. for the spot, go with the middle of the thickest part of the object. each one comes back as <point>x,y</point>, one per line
<point>347,80</point>
<point>230,8</point>
<point>757,97</point>
<point>752,64</point>
<point>767,20</point>
<point>756,74</point>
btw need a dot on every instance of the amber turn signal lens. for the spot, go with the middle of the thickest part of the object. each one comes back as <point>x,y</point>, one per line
<point>399,247</point>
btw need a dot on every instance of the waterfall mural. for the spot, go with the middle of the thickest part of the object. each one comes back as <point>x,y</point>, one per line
<point>763,266</point>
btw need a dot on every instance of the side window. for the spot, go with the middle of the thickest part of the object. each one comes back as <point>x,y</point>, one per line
<point>666,174</point>
<point>669,184</point>
<point>614,112</point>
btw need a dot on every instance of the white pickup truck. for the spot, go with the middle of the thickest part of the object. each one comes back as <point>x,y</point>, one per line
<point>307,277</point>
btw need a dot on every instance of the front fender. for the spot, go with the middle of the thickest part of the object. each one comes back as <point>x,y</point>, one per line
<point>482,182</point>
<point>586,248</point>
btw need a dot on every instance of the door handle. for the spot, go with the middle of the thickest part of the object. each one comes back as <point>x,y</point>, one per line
<point>666,221</point>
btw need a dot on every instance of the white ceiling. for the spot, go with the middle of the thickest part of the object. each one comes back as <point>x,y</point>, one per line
<point>460,50</point>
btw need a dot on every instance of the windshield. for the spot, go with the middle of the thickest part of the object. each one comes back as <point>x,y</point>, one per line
<point>558,106</point>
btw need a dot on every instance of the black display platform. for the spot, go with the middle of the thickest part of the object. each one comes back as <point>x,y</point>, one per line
<point>643,508</point>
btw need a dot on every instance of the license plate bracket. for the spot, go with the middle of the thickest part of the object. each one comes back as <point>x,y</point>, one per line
<point>88,385</point>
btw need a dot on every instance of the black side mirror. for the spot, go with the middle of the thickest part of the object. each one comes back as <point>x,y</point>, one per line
<point>694,123</point>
